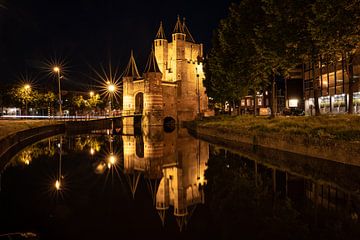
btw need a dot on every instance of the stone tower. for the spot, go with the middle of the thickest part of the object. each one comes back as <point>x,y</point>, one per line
<point>153,113</point>
<point>181,64</point>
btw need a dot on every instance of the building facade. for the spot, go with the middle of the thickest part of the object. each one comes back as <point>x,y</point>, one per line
<point>171,87</point>
<point>333,86</point>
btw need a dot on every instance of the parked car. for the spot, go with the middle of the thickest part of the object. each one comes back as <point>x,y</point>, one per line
<point>293,112</point>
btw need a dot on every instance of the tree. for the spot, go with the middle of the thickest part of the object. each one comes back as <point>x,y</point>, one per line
<point>230,72</point>
<point>79,102</point>
<point>279,39</point>
<point>24,96</point>
<point>93,101</point>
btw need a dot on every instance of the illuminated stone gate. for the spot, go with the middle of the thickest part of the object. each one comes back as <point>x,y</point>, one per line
<point>171,87</point>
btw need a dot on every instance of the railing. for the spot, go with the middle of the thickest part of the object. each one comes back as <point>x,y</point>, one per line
<point>65,118</point>
<point>71,118</point>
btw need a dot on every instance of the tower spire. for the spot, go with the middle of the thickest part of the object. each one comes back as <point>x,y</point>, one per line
<point>151,65</point>
<point>131,68</point>
<point>189,37</point>
<point>178,26</point>
<point>160,34</point>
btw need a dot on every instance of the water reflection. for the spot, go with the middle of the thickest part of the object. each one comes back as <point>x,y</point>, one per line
<point>173,165</point>
<point>170,183</point>
<point>247,195</point>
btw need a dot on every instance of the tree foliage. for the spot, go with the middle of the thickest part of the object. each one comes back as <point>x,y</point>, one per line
<point>263,39</point>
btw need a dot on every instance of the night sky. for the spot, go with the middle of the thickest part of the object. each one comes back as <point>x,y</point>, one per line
<point>88,33</point>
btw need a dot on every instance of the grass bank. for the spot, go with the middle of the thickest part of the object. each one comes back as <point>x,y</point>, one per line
<point>332,137</point>
<point>338,127</point>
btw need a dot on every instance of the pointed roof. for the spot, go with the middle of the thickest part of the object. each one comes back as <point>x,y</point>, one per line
<point>153,187</point>
<point>178,26</point>
<point>162,215</point>
<point>131,69</point>
<point>151,65</point>
<point>189,37</point>
<point>181,222</point>
<point>133,181</point>
<point>160,34</point>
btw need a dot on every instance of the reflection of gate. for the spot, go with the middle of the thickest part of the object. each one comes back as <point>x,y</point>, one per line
<point>139,103</point>
<point>139,146</point>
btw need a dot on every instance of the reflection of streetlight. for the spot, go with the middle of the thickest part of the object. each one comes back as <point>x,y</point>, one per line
<point>27,89</point>
<point>57,185</point>
<point>56,69</point>
<point>58,181</point>
<point>111,160</point>
<point>92,151</point>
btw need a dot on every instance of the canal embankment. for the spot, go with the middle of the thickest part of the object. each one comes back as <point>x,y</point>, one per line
<point>335,138</point>
<point>17,134</point>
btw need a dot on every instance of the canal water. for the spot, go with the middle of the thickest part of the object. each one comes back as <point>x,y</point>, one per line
<point>170,185</point>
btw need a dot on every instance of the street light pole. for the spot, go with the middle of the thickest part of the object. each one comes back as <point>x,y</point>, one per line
<point>57,71</point>
<point>27,89</point>
<point>111,88</point>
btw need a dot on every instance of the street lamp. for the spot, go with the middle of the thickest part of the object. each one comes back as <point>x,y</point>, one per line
<point>111,88</point>
<point>56,69</point>
<point>27,89</point>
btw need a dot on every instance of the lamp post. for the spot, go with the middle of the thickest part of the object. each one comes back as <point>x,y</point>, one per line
<point>111,88</point>
<point>57,71</point>
<point>27,89</point>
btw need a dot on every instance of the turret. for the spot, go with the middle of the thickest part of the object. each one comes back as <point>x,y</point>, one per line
<point>161,50</point>
<point>130,74</point>
<point>163,196</point>
<point>179,37</point>
<point>153,92</point>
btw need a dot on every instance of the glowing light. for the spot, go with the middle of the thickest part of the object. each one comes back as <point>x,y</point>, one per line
<point>112,159</point>
<point>110,80</point>
<point>293,102</point>
<point>92,151</point>
<point>27,87</point>
<point>91,93</point>
<point>57,185</point>
<point>101,168</point>
<point>111,88</point>
<point>56,69</point>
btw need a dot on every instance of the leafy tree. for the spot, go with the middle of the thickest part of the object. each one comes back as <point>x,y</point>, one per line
<point>278,40</point>
<point>231,72</point>
<point>78,102</point>
<point>24,96</point>
<point>93,101</point>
